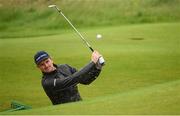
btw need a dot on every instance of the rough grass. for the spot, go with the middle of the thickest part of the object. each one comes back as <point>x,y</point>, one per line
<point>31,18</point>
<point>141,75</point>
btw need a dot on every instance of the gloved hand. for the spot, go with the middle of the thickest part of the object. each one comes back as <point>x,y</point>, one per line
<point>100,63</point>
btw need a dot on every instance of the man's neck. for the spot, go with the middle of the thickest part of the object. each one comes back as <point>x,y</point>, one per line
<point>54,68</point>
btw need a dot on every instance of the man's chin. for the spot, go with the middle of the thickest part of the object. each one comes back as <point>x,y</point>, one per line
<point>48,71</point>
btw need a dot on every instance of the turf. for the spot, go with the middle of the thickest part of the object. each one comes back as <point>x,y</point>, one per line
<point>141,75</point>
<point>158,99</point>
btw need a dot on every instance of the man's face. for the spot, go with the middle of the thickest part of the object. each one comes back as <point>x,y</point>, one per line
<point>46,65</point>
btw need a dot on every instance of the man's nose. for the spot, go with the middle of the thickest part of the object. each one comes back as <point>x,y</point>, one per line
<point>46,65</point>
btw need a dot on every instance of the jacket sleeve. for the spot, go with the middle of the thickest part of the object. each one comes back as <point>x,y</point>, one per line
<point>90,75</point>
<point>84,76</point>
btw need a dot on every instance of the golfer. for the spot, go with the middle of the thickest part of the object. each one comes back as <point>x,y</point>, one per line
<point>60,81</point>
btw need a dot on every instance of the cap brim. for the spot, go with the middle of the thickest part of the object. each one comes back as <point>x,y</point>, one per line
<point>44,58</point>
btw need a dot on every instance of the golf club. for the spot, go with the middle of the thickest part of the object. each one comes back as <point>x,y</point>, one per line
<point>101,59</point>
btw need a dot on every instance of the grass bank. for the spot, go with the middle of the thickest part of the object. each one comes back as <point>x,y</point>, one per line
<point>33,18</point>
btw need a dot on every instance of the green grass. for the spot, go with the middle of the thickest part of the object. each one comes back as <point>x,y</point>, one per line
<point>33,18</point>
<point>151,100</point>
<point>141,75</point>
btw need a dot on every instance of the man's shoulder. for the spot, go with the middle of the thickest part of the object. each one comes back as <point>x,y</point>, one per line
<point>66,68</point>
<point>63,66</point>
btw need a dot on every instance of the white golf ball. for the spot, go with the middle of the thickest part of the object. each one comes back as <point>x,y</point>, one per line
<point>98,36</point>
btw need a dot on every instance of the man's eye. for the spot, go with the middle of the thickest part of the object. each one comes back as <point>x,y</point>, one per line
<point>47,61</point>
<point>41,64</point>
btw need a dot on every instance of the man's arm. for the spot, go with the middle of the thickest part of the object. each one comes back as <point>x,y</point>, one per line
<point>85,76</point>
<point>90,76</point>
<point>71,80</point>
<point>93,71</point>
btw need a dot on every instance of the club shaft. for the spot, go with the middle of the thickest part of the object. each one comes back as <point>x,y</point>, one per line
<point>80,35</point>
<point>101,59</point>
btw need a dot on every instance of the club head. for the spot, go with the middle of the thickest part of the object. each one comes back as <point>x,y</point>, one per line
<point>52,6</point>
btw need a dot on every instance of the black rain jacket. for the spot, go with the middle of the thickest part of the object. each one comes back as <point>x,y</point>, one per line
<point>61,84</point>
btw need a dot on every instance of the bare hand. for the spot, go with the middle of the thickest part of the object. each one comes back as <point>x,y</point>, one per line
<point>95,56</point>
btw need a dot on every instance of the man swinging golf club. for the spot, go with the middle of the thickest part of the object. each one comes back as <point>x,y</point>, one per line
<point>60,81</point>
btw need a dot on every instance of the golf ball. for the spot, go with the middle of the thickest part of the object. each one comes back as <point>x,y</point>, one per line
<point>98,36</point>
